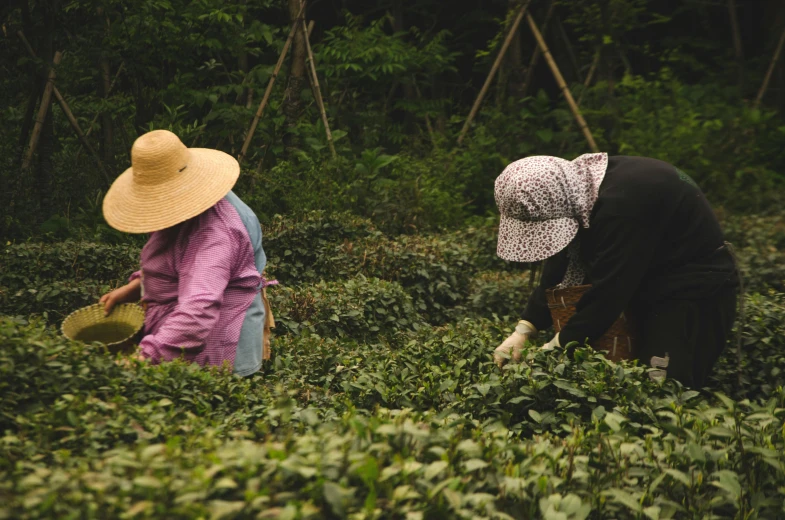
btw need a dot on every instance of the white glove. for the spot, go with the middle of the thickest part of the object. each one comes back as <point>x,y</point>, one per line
<point>513,345</point>
<point>552,343</point>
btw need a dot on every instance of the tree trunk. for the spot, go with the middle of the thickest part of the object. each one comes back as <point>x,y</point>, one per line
<point>27,122</point>
<point>510,74</point>
<point>104,87</point>
<point>408,89</point>
<point>46,144</point>
<point>37,81</point>
<point>293,105</point>
<point>737,43</point>
<point>245,97</point>
<point>107,129</point>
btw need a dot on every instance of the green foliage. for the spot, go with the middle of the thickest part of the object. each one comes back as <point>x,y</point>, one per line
<point>359,308</point>
<point>759,243</point>
<point>762,369</point>
<point>694,128</point>
<point>434,270</point>
<point>59,278</point>
<point>312,247</point>
<point>503,294</point>
<point>362,61</point>
<point>423,425</point>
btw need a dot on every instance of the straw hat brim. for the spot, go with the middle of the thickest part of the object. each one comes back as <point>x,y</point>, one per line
<point>142,208</point>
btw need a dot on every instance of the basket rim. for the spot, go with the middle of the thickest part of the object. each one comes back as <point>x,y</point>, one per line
<point>87,308</point>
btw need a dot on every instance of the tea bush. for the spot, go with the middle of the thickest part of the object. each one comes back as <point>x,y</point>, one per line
<point>762,369</point>
<point>434,269</point>
<point>760,244</point>
<point>58,278</point>
<point>497,293</point>
<point>312,247</point>
<point>381,398</point>
<point>27,264</point>
<point>85,437</point>
<point>360,308</point>
<point>55,299</point>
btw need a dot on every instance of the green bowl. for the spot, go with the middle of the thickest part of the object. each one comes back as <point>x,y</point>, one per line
<point>118,331</point>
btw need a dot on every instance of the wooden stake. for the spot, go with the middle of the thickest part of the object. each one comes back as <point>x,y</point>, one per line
<point>590,76</point>
<point>562,85</point>
<point>428,124</point>
<point>492,73</point>
<point>318,91</point>
<point>269,90</point>
<point>774,59</point>
<point>537,52</point>
<point>737,45</point>
<point>82,136</point>
<point>46,100</point>
<point>70,116</point>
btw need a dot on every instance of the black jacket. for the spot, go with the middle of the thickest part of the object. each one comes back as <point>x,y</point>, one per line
<point>652,237</point>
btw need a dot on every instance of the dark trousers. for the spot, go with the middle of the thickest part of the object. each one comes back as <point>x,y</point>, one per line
<point>692,333</point>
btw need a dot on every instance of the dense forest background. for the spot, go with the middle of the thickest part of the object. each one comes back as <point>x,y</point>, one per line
<point>671,79</point>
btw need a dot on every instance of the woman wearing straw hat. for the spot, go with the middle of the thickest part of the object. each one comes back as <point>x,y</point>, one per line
<point>642,234</point>
<point>200,276</point>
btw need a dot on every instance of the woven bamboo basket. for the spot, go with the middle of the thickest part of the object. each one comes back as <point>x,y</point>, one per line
<point>118,331</point>
<point>618,342</point>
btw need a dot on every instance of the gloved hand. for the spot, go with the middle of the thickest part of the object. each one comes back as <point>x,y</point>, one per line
<point>513,345</point>
<point>552,343</point>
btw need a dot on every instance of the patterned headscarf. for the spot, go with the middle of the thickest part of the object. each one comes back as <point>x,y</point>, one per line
<point>543,201</point>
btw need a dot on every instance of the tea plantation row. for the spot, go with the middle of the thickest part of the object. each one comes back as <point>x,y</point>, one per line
<point>381,400</point>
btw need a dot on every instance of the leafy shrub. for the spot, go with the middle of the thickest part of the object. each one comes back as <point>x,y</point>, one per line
<point>55,299</point>
<point>359,308</point>
<point>696,128</point>
<point>58,278</point>
<point>85,437</point>
<point>434,270</point>
<point>406,197</point>
<point>22,266</point>
<point>760,244</point>
<point>312,247</point>
<point>494,293</point>
<point>762,369</point>
<point>40,368</point>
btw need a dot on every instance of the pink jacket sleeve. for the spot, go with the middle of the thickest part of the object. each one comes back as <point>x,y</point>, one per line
<point>204,273</point>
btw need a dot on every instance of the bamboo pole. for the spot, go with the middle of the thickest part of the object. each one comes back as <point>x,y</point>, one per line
<point>82,136</point>
<point>492,73</point>
<point>774,59</point>
<point>46,100</point>
<point>70,116</point>
<point>266,97</point>
<point>318,90</point>
<point>537,51</point>
<point>562,85</point>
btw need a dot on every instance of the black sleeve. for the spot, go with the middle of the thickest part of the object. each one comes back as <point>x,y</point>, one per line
<point>553,271</point>
<point>624,250</point>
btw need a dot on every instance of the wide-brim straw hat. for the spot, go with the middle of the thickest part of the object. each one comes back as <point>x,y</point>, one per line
<point>167,184</point>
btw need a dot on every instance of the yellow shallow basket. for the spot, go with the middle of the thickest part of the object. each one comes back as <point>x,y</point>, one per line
<point>117,331</point>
